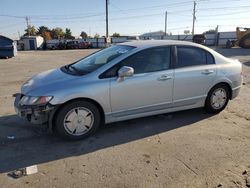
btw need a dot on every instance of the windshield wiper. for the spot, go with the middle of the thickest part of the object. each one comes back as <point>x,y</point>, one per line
<point>66,67</point>
<point>75,69</point>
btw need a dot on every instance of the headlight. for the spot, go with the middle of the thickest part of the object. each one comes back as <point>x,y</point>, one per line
<point>28,100</point>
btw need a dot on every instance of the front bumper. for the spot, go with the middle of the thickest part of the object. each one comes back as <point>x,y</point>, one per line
<point>36,114</point>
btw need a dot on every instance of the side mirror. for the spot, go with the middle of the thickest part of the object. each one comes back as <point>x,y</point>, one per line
<point>125,71</point>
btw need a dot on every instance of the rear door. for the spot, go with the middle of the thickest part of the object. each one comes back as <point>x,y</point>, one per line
<point>195,71</point>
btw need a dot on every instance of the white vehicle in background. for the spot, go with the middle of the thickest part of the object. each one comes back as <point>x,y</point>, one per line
<point>52,44</point>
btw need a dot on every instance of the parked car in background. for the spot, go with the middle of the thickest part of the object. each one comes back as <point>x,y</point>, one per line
<point>84,45</point>
<point>129,80</point>
<point>72,44</point>
<point>199,39</point>
<point>51,46</point>
<point>78,45</point>
<point>62,45</point>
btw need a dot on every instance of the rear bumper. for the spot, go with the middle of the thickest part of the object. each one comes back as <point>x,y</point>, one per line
<point>34,114</point>
<point>235,92</point>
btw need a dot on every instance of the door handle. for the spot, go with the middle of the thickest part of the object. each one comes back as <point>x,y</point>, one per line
<point>207,72</point>
<point>164,77</point>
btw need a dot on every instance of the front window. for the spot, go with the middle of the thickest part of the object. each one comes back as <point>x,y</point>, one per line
<point>149,60</point>
<point>98,59</point>
<point>145,61</point>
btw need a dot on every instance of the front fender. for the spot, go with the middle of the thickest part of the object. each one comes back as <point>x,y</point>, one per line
<point>98,91</point>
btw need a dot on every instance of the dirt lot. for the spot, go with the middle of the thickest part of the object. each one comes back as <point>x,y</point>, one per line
<point>183,149</point>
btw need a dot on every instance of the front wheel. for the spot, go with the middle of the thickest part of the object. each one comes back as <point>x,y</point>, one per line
<point>217,99</point>
<point>77,120</point>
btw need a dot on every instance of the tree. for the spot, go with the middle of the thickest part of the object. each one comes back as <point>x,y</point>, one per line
<point>68,34</point>
<point>44,32</point>
<point>57,33</point>
<point>97,35</point>
<point>46,35</point>
<point>84,35</point>
<point>116,35</point>
<point>31,30</point>
<point>41,30</point>
<point>210,31</point>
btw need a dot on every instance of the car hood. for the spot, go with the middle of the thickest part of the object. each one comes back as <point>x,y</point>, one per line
<point>45,79</point>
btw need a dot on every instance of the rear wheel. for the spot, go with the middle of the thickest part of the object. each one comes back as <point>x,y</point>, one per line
<point>77,120</point>
<point>217,99</point>
<point>245,41</point>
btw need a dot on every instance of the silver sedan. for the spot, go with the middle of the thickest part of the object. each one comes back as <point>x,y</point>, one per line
<point>129,80</point>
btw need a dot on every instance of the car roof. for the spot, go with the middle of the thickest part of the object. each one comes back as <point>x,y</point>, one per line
<point>154,43</point>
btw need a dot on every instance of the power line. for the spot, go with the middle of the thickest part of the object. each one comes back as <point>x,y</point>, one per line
<point>181,4</point>
<point>102,13</point>
<point>160,6</point>
<point>11,25</point>
<point>102,20</point>
<point>75,18</point>
<point>68,18</point>
<point>222,8</point>
<point>228,13</point>
<point>177,28</point>
<point>11,16</point>
<point>120,10</point>
<point>63,18</point>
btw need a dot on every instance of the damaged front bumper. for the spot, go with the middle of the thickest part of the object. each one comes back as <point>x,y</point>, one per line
<point>36,114</point>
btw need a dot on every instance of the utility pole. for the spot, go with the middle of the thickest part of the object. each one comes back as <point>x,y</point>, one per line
<point>166,20</point>
<point>107,24</point>
<point>216,35</point>
<point>194,17</point>
<point>27,22</point>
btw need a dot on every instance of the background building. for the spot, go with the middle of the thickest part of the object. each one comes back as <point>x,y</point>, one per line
<point>31,43</point>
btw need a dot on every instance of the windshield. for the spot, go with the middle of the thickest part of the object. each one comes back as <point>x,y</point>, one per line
<point>98,59</point>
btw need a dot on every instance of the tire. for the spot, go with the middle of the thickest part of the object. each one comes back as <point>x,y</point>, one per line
<point>214,101</point>
<point>77,120</point>
<point>243,41</point>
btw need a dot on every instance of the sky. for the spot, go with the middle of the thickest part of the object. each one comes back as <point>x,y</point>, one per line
<point>126,17</point>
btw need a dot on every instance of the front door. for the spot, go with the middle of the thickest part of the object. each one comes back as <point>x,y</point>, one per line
<point>149,89</point>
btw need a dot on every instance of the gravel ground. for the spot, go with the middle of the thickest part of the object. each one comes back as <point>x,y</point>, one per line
<point>182,149</point>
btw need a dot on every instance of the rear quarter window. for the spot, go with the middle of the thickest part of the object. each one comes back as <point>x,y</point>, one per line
<point>210,59</point>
